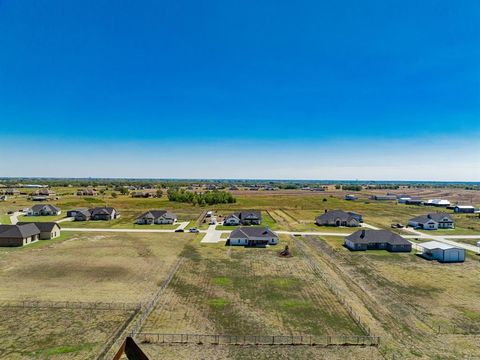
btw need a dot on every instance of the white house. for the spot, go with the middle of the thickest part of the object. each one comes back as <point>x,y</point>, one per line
<point>252,236</point>
<point>432,221</point>
<point>249,217</point>
<point>435,250</point>
<point>43,210</point>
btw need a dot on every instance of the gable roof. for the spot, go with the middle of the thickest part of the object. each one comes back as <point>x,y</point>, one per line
<point>102,211</point>
<point>252,231</point>
<point>18,231</point>
<point>248,214</point>
<point>42,226</point>
<point>376,236</point>
<point>48,207</point>
<point>155,214</point>
<point>437,217</point>
<point>337,214</point>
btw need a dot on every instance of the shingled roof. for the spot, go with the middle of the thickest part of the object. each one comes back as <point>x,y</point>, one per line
<point>332,215</point>
<point>42,226</point>
<point>154,214</point>
<point>38,207</point>
<point>376,236</point>
<point>252,231</point>
<point>433,216</point>
<point>19,231</point>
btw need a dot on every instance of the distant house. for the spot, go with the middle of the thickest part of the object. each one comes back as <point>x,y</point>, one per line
<point>351,197</point>
<point>48,230</point>
<point>438,202</point>
<point>249,217</point>
<point>11,192</point>
<point>403,199</point>
<point>43,210</point>
<point>252,236</point>
<point>156,217</point>
<point>3,197</point>
<point>377,240</point>
<point>43,192</point>
<point>414,201</point>
<point>233,187</point>
<point>99,213</point>
<point>433,221</point>
<point>383,197</point>
<point>86,192</point>
<point>435,250</point>
<point>338,218</point>
<point>464,209</point>
<point>18,235</point>
<point>143,194</point>
<point>72,213</point>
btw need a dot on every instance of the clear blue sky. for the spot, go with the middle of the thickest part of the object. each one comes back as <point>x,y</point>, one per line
<point>250,89</point>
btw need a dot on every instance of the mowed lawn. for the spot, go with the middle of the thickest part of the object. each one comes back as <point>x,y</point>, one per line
<point>48,333</point>
<point>100,267</point>
<point>247,291</point>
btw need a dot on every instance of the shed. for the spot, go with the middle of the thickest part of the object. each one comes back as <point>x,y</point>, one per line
<point>442,252</point>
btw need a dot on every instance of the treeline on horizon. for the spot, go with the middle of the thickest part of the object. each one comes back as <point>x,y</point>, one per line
<point>226,183</point>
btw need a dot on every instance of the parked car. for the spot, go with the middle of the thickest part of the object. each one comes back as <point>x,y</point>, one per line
<point>397,226</point>
<point>179,230</point>
<point>193,230</point>
<point>10,212</point>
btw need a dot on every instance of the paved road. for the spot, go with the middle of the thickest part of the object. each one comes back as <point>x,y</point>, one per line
<point>66,219</point>
<point>182,225</point>
<point>14,217</point>
<point>444,239</point>
<point>212,236</point>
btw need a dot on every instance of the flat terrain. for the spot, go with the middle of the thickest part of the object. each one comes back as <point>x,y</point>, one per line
<point>100,267</point>
<point>238,291</point>
<point>56,333</point>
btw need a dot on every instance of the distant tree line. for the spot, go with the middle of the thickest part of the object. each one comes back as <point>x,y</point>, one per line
<point>206,198</point>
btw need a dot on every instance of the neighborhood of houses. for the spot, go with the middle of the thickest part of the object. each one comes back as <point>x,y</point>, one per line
<point>248,230</point>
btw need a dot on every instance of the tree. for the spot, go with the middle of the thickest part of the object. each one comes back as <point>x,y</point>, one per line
<point>114,194</point>
<point>159,193</point>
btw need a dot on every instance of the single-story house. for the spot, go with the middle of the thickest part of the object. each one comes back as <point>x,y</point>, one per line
<point>350,197</point>
<point>438,202</point>
<point>383,197</point>
<point>82,214</point>
<point>99,213</point>
<point>44,210</point>
<point>403,200</point>
<point>414,201</point>
<point>377,240</point>
<point>249,217</point>
<point>3,197</point>
<point>43,192</point>
<point>464,209</point>
<point>252,236</point>
<point>18,235</point>
<point>156,217</point>
<point>433,221</point>
<point>86,192</point>
<point>143,194</point>
<point>339,218</point>
<point>435,250</point>
<point>11,192</point>
<point>72,213</point>
<point>48,230</point>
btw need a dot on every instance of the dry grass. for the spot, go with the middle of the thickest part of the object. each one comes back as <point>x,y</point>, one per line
<point>104,267</point>
<point>56,333</point>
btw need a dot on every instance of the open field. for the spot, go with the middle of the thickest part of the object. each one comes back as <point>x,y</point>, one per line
<point>101,267</point>
<point>247,291</point>
<point>413,298</point>
<point>56,333</point>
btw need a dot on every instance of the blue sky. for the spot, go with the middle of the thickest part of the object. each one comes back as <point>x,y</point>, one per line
<point>242,89</point>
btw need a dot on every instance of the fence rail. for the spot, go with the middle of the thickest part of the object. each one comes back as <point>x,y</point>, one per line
<point>214,339</point>
<point>69,305</point>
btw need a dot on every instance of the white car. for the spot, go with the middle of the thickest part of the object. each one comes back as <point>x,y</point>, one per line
<point>193,230</point>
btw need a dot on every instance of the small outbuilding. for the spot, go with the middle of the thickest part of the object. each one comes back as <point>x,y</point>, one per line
<point>436,250</point>
<point>464,209</point>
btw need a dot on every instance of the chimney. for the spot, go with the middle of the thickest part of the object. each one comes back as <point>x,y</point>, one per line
<point>362,235</point>
<point>326,210</point>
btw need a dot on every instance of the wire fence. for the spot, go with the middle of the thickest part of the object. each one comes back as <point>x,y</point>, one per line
<point>38,304</point>
<point>209,339</point>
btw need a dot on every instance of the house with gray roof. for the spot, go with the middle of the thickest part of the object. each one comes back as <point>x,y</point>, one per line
<point>48,230</point>
<point>377,240</point>
<point>254,236</point>
<point>99,213</point>
<point>247,217</point>
<point>18,235</point>
<point>156,217</point>
<point>339,218</point>
<point>432,221</point>
<point>43,210</point>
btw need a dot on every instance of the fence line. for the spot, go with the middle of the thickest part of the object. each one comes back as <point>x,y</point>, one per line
<point>330,285</point>
<point>69,305</point>
<point>217,339</point>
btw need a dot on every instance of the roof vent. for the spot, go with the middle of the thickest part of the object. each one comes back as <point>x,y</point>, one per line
<point>326,210</point>
<point>362,235</point>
